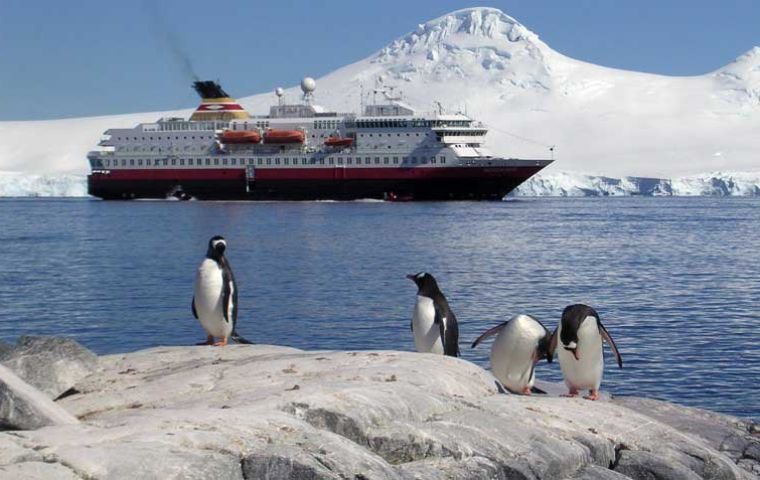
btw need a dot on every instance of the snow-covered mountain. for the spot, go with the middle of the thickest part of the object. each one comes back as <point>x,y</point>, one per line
<point>607,124</point>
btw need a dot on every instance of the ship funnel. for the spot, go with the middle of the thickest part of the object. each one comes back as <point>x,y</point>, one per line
<point>216,104</point>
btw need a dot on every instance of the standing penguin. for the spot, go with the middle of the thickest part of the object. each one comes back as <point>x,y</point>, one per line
<point>580,357</point>
<point>215,295</point>
<point>434,325</point>
<point>521,342</point>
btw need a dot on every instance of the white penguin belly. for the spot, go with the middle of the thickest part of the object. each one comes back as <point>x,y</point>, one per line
<point>585,373</point>
<point>427,334</point>
<point>208,291</point>
<point>512,353</point>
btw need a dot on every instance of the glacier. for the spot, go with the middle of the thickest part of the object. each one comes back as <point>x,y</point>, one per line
<point>721,184</point>
<point>614,132</point>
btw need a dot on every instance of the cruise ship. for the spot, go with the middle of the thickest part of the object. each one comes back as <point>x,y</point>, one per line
<point>301,151</point>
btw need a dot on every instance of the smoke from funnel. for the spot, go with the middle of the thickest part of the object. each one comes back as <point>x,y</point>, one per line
<point>169,37</point>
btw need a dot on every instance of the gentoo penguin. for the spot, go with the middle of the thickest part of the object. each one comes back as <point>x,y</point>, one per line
<point>580,354</point>
<point>434,325</point>
<point>521,342</point>
<point>215,295</point>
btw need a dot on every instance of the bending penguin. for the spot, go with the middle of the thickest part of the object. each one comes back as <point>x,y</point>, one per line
<point>521,342</point>
<point>215,295</point>
<point>580,354</point>
<point>434,325</point>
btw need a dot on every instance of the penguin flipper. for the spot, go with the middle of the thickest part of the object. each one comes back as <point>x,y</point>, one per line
<point>192,304</point>
<point>488,333</point>
<point>449,331</point>
<point>229,297</point>
<point>537,390</point>
<point>608,338</point>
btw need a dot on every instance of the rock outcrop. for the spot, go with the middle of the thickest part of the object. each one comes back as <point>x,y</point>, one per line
<point>53,365</point>
<point>259,412</point>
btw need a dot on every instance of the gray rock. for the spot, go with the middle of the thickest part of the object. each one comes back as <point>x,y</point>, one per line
<point>5,347</point>
<point>37,471</point>
<point>51,364</point>
<point>23,407</point>
<point>272,412</point>
<point>648,466</point>
<point>594,472</point>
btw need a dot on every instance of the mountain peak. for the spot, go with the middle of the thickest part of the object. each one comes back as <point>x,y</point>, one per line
<point>483,26</point>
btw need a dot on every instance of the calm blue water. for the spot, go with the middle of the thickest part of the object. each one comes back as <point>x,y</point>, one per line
<point>676,280</point>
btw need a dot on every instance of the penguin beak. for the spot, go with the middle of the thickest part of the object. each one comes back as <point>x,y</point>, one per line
<point>411,277</point>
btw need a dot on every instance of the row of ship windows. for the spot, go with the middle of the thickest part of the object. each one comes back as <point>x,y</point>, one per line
<point>192,137</point>
<point>272,161</point>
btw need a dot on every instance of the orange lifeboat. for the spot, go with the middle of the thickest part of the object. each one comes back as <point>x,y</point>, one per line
<point>283,136</point>
<point>339,142</point>
<point>240,136</point>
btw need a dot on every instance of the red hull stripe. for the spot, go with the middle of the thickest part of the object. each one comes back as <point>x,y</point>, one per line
<point>218,107</point>
<point>320,173</point>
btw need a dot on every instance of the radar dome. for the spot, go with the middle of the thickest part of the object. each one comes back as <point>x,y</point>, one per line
<point>279,91</point>
<point>308,85</point>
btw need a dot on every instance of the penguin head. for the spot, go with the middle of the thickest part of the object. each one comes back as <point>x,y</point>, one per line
<point>544,348</point>
<point>572,318</point>
<point>426,284</point>
<point>216,247</point>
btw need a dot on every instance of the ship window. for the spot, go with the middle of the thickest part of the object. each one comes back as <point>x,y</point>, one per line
<point>193,137</point>
<point>321,161</point>
<point>269,161</point>
<point>442,159</point>
<point>208,161</point>
<point>132,162</point>
<point>216,161</point>
<point>277,161</point>
<point>414,159</point>
<point>259,161</point>
<point>123,163</point>
<point>370,134</point>
<point>395,159</point>
<point>166,162</point>
<point>361,134</point>
<point>287,161</point>
<point>224,161</point>
<point>418,134</point>
<point>189,161</point>
<point>385,160</point>
<point>139,161</point>
<point>332,161</point>
<point>313,160</point>
<point>181,161</point>
<point>340,160</point>
<point>108,162</point>
<point>367,160</point>
<point>377,160</point>
<point>174,161</point>
<point>398,134</point>
<point>432,159</point>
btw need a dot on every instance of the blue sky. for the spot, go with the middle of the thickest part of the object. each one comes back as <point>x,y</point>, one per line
<point>66,59</point>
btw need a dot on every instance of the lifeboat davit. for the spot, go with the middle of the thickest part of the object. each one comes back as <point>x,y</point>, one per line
<point>283,136</point>
<point>339,142</point>
<point>240,136</point>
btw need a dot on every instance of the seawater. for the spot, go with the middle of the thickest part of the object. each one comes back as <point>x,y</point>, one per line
<point>676,280</point>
